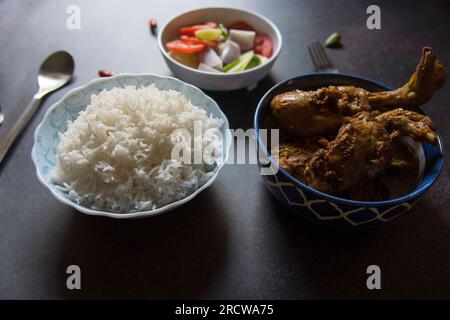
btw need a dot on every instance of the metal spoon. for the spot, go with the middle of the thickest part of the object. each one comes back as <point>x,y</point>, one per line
<point>54,73</point>
<point>1,115</point>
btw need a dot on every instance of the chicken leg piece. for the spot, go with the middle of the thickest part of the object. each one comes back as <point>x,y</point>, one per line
<point>362,149</point>
<point>429,77</point>
<point>359,153</point>
<point>322,111</point>
<point>293,156</point>
<point>409,123</point>
<point>319,112</point>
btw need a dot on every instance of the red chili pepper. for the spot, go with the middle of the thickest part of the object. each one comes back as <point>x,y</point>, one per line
<point>153,25</point>
<point>105,73</point>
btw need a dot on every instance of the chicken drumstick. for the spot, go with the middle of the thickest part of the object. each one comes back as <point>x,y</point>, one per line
<point>319,112</point>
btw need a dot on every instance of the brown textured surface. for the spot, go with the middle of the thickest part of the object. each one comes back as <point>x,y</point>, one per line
<point>234,240</point>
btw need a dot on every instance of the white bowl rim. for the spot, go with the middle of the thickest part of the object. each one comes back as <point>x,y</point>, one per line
<point>223,74</point>
<point>139,214</point>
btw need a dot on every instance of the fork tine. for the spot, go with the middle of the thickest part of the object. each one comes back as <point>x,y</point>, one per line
<point>313,58</point>
<point>317,61</point>
<point>319,56</point>
<point>321,51</point>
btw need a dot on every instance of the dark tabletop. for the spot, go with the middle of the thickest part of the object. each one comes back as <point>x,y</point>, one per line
<point>233,240</point>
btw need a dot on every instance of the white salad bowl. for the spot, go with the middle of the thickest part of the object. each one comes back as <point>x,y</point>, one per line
<point>225,15</point>
<point>57,117</point>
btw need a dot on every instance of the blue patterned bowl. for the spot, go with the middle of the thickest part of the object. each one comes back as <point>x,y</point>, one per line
<point>323,208</point>
<point>46,136</point>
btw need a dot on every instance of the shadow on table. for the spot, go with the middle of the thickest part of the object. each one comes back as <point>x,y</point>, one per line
<point>412,252</point>
<point>175,255</point>
<point>240,105</point>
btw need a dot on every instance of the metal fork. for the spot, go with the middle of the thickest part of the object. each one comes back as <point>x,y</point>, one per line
<point>319,57</point>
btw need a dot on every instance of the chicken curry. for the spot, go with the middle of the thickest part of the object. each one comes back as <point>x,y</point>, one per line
<point>342,139</point>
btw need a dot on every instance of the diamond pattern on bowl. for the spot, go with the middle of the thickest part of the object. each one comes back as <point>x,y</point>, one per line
<point>328,211</point>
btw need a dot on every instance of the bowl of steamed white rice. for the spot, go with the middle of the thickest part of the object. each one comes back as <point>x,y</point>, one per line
<point>131,146</point>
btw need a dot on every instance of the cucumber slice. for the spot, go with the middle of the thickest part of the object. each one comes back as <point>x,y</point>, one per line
<point>256,61</point>
<point>243,61</point>
<point>262,58</point>
<point>230,65</point>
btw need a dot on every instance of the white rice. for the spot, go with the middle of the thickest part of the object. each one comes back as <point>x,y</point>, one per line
<point>116,156</point>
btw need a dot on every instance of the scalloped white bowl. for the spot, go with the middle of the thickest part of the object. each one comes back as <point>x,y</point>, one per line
<point>46,136</point>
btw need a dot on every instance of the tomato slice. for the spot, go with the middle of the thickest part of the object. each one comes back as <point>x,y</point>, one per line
<point>190,31</point>
<point>180,46</point>
<point>241,25</point>
<point>194,40</point>
<point>263,45</point>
